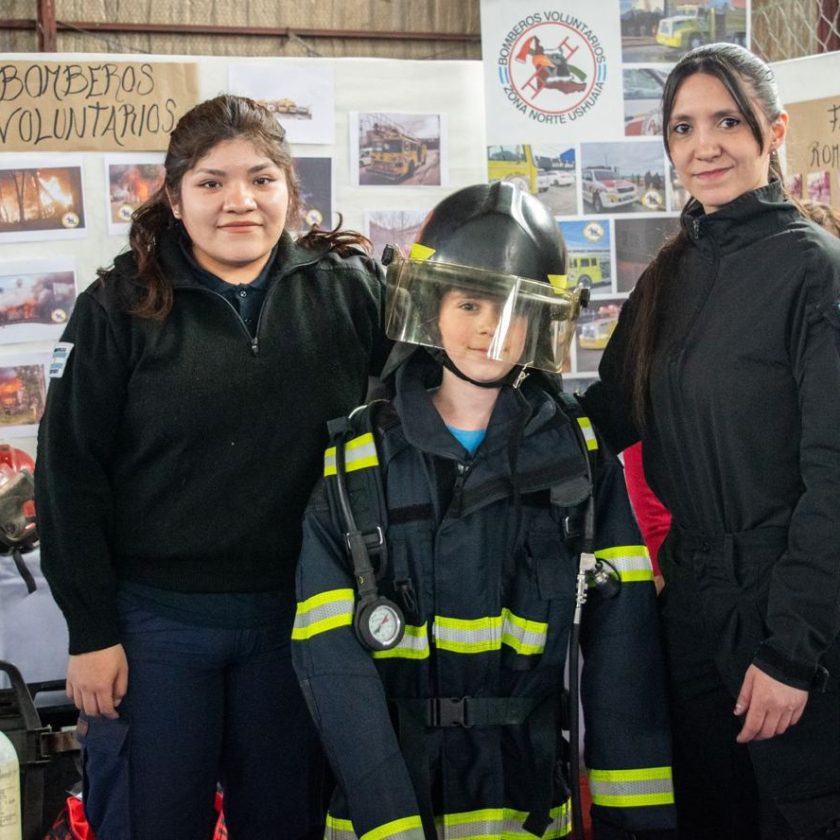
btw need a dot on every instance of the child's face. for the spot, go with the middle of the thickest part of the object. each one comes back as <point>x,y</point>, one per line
<point>468,329</point>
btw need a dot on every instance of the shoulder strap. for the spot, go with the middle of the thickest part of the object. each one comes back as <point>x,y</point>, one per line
<point>585,435</point>
<point>354,485</point>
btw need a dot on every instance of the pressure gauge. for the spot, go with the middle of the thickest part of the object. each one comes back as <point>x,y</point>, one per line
<point>380,624</point>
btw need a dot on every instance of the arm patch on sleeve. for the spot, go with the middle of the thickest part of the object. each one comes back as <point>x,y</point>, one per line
<point>60,356</point>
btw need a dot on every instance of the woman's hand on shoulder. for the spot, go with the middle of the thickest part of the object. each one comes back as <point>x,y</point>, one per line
<point>98,680</point>
<point>770,707</point>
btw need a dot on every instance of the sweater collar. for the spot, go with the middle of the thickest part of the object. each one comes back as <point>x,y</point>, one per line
<point>288,257</point>
<point>750,217</point>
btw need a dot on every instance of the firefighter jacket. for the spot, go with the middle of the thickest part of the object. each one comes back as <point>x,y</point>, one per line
<point>155,431</point>
<point>460,719</point>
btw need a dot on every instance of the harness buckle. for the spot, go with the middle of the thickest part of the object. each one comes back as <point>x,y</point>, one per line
<point>373,540</point>
<point>448,711</point>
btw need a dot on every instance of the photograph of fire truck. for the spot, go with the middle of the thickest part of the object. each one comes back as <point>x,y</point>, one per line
<point>400,149</point>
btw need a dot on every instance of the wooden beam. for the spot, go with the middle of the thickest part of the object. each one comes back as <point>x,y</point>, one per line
<point>46,26</point>
<point>256,31</point>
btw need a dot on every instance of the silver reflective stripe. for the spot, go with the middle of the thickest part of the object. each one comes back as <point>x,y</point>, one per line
<point>501,822</point>
<point>339,829</point>
<point>640,787</point>
<point>322,612</point>
<point>525,636</point>
<point>632,562</point>
<point>461,635</point>
<point>359,453</point>
<point>413,645</point>
<point>588,432</point>
<point>407,828</point>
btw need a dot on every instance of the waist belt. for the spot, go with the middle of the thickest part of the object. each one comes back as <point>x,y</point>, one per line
<point>441,712</point>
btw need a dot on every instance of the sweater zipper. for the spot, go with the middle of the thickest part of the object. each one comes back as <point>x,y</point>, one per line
<point>253,340</point>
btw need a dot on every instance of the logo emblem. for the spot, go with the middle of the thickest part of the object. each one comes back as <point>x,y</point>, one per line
<point>552,67</point>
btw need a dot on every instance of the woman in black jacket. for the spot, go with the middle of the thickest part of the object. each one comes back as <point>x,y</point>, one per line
<point>725,363</point>
<point>183,432</point>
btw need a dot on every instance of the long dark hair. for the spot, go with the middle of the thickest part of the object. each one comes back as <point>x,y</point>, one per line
<point>198,131</point>
<point>750,82</point>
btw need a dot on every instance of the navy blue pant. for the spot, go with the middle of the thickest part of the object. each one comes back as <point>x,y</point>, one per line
<point>204,705</point>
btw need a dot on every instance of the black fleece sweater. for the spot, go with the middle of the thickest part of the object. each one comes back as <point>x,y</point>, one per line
<point>181,453</point>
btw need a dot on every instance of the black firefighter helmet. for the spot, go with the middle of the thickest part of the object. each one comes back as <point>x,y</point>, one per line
<point>494,241</point>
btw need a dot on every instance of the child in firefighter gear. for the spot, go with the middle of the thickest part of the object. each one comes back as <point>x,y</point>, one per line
<point>435,675</point>
<point>726,364</point>
<point>183,433</point>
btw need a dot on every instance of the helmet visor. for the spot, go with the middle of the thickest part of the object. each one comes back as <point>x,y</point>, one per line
<point>469,312</point>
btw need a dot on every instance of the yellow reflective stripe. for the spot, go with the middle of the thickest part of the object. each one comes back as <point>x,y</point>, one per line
<point>525,636</point>
<point>359,454</point>
<point>322,612</point>
<point>462,635</point>
<point>407,828</point>
<point>413,645</point>
<point>632,788</point>
<point>632,562</point>
<point>588,432</point>
<point>502,824</point>
<point>339,829</point>
<point>480,635</point>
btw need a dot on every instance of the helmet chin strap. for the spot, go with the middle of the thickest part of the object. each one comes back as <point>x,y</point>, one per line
<point>514,377</point>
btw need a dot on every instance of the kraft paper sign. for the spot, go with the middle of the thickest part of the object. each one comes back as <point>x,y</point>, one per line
<point>812,145</point>
<point>92,106</point>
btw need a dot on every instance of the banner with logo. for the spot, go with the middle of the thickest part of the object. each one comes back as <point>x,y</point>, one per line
<point>573,92</point>
<point>551,71</point>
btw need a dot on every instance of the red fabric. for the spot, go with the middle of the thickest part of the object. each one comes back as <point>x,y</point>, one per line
<point>220,832</point>
<point>653,517</point>
<point>72,824</point>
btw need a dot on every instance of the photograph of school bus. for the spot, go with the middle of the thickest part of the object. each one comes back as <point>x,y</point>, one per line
<point>662,30</point>
<point>399,149</point>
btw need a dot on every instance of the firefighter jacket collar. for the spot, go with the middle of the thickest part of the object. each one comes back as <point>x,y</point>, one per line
<point>768,211</point>
<point>424,428</point>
